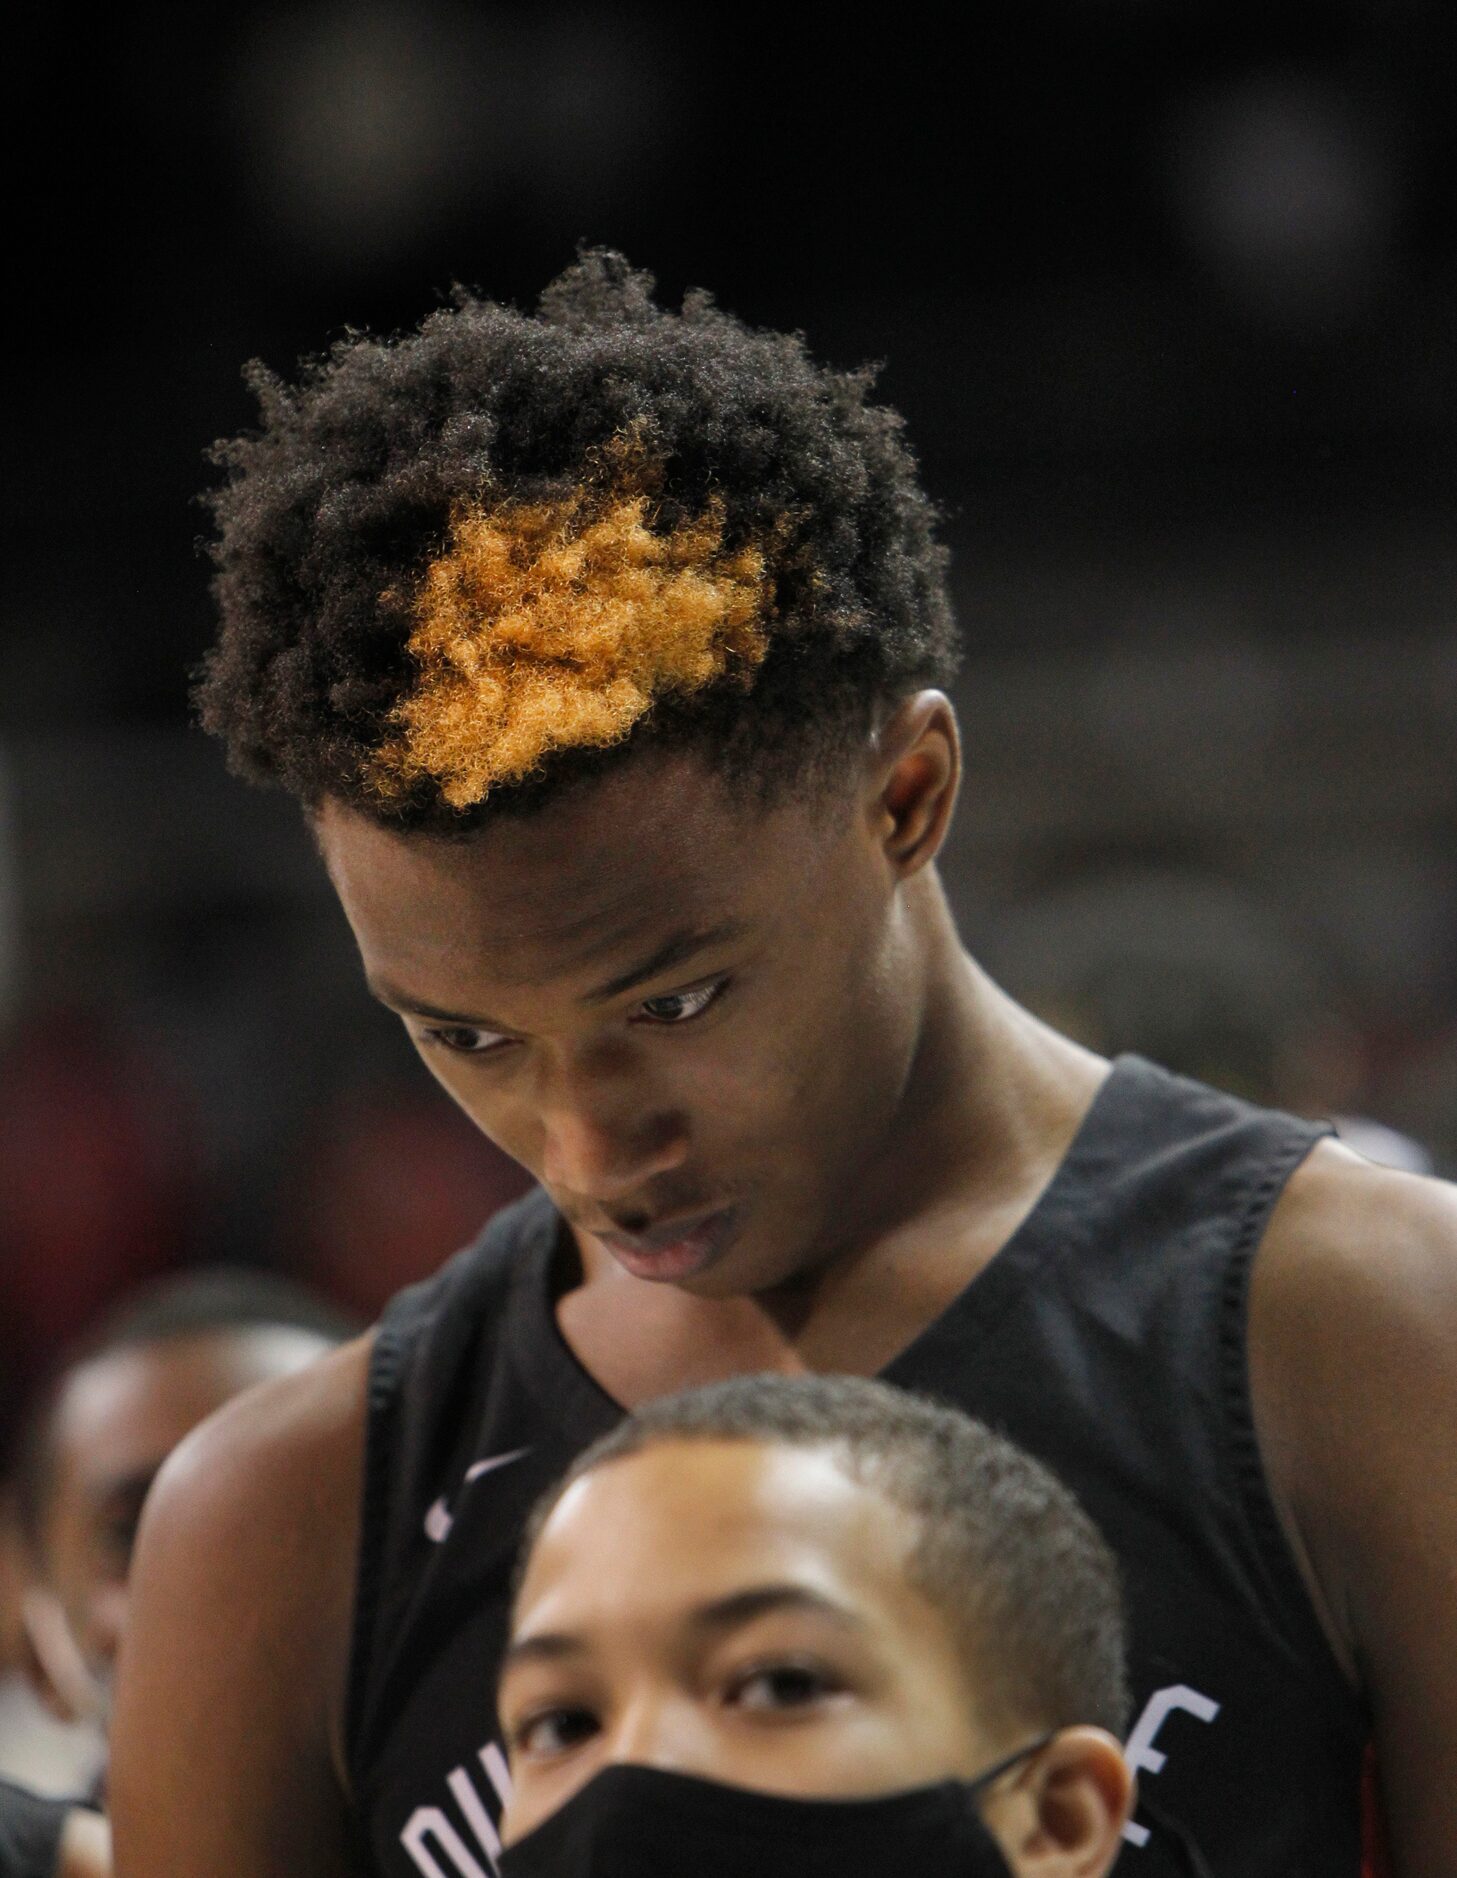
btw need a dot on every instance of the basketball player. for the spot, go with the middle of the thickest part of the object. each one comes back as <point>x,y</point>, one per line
<point>811,1625</point>
<point>96,1436</point>
<point>604,650</point>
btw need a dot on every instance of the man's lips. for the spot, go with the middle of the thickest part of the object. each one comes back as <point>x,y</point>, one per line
<point>674,1249</point>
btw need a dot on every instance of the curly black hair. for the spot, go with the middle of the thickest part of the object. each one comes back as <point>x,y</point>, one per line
<point>336,506</point>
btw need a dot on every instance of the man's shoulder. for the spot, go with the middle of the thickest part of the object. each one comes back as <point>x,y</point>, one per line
<point>1349,1234</point>
<point>1353,1348</point>
<point>238,1638</point>
<point>279,1441</point>
<point>1354,1310</point>
<point>260,1504</point>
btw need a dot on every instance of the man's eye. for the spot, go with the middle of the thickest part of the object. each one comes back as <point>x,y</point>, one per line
<point>554,1731</point>
<point>465,1040</point>
<point>678,1007</point>
<point>776,1687</point>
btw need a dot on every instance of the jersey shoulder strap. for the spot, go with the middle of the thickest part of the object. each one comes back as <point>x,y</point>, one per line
<point>434,1391</point>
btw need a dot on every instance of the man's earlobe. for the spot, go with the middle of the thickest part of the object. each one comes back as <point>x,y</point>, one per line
<point>919,769</point>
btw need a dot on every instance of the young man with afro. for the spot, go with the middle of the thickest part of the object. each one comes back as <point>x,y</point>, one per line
<point>604,650</point>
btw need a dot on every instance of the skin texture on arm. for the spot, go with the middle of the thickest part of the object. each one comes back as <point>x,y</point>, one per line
<point>1353,1347</point>
<point>227,1745</point>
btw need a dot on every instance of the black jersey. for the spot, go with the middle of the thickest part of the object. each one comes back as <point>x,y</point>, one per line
<point>1107,1337</point>
<point>30,1832</point>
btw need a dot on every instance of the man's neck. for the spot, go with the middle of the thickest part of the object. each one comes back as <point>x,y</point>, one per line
<point>989,1108</point>
<point>992,1104</point>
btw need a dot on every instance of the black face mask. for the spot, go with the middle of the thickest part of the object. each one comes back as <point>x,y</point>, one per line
<point>640,1822</point>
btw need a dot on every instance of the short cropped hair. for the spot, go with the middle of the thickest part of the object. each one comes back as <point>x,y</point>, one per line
<point>211,1300</point>
<point>1028,1585</point>
<point>459,568</point>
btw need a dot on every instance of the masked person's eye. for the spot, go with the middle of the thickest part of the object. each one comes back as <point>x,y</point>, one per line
<point>679,1007</point>
<point>778,1688</point>
<point>553,1731</point>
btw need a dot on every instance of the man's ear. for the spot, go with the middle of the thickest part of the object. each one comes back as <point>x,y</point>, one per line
<point>1064,1817</point>
<point>51,1658</point>
<point>916,770</point>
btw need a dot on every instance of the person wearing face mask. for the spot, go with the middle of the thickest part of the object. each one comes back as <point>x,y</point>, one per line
<point>812,1625</point>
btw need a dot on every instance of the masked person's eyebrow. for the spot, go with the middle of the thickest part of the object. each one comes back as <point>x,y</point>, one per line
<point>742,1607</point>
<point>546,1646</point>
<point>675,950</point>
<point>726,1613</point>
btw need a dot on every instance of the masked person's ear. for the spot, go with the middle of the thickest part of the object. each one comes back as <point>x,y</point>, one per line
<point>52,1662</point>
<point>1063,1815</point>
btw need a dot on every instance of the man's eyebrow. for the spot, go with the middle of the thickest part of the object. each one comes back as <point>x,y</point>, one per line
<point>675,950</point>
<point>394,999</point>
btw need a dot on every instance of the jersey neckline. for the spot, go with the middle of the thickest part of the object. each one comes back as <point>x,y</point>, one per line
<point>572,1398</point>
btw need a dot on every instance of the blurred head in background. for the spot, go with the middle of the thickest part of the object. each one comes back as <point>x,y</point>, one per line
<point>98,1432</point>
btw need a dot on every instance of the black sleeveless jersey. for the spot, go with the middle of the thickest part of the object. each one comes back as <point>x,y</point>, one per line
<point>30,1832</point>
<point>1107,1337</point>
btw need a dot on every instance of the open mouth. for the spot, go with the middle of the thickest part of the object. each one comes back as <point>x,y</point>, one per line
<point>676,1249</point>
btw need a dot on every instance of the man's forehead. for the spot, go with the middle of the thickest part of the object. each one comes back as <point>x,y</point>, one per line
<point>594,949</point>
<point>573,891</point>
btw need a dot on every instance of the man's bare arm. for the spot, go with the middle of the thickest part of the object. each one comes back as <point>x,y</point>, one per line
<point>1354,1371</point>
<point>226,1747</point>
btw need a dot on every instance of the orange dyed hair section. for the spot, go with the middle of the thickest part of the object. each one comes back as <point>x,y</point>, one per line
<point>556,626</point>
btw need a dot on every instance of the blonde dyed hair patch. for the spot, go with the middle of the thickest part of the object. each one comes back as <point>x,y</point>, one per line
<point>556,626</point>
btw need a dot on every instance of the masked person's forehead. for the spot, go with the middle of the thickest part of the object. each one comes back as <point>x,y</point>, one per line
<point>655,1539</point>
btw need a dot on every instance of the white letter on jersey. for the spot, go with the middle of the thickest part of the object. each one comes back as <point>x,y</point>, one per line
<point>1139,1750</point>
<point>429,1821</point>
<point>477,1818</point>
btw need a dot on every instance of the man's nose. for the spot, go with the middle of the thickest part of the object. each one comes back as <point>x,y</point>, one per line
<point>600,1145</point>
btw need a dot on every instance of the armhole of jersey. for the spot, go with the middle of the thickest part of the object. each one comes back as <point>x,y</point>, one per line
<point>386,1365</point>
<point>1293,1603</point>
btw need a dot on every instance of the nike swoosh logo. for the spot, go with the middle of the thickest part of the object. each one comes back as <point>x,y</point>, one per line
<point>439,1519</point>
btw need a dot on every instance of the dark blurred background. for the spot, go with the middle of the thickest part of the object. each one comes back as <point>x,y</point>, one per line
<point>1166,293</point>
